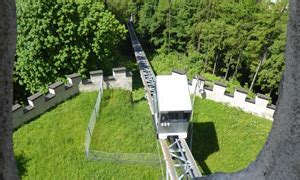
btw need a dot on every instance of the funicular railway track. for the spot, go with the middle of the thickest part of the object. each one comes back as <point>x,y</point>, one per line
<point>180,163</point>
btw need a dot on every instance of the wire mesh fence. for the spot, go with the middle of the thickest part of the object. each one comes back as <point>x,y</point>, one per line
<point>128,158</point>
<point>96,155</point>
<point>92,120</point>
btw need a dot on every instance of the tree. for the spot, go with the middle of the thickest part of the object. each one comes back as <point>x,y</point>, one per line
<point>55,39</point>
<point>123,9</point>
<point>204,12</point>
<point>235,39</point>
<point>8,169</point>
<point>159,25</point>
<point>262,37</point>
<point>271,73</point>
<point>145,15</point>
<point>212,37</point>
<point>280,156</point>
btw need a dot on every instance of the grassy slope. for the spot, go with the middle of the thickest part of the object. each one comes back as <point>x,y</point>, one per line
<point>226,139</point>
<point>124,126</point>
<point>52,146</point>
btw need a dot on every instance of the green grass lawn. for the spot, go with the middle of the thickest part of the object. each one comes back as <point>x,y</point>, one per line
<point>52,146</point>
<point>124,125</point>
<point>226,139</point>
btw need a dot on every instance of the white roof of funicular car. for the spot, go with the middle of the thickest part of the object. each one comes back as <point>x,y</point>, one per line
<point>173,93</point>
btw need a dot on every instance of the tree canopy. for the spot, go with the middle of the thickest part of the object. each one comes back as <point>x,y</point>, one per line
<point>55,39</point>
<point>242,40</point>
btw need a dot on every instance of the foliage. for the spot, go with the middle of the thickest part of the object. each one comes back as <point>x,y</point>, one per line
<point>241,40</point>
<point>163,64</point>
<point>123,9</point>
<point>55,39</point>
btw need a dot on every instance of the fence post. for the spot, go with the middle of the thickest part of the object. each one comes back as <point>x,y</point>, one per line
<point>87,153</point>
<point>96,114</point>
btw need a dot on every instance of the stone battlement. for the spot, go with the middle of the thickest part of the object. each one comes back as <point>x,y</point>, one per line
<point>259,105</point>
<point>39,103</point>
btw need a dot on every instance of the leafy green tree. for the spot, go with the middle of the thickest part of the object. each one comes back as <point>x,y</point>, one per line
<point>146,18</point>
<point>241,40</point>
<point>271,73</point>
<point>123,9</point>
<point>211,36</point>
<point>262,37</point>
<point>55,39</point>
<point>159,25</point>
<point>181,26</point>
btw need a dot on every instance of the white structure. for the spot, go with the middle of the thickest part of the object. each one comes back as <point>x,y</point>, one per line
<point>39,103</point>
<point>174,106</point>
<point>173,93</point>
<point>258,106</point>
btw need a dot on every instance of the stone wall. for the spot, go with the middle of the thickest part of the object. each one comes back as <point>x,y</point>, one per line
<point>259,105</point>
<point>38,103</point>
<point>120,79</point>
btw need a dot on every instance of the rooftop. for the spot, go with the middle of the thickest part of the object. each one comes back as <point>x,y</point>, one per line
<point>173,93</point>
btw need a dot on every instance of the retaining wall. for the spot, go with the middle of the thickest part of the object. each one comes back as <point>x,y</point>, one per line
<point>259,105</point>
<point>38,103</point>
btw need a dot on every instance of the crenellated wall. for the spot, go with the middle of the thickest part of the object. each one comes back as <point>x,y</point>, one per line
<point>259,105</point>
<point>120,79</point>
<point>38,103</point>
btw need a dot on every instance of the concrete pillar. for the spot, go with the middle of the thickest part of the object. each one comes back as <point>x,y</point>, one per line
<point>58,89</point>
<point>219,88</point>
<point>96,76</point>
<point>262,100</point>
<point>119,72</point>
<point>240,94</point>
<point>36,99</point>
<point>74,79</point>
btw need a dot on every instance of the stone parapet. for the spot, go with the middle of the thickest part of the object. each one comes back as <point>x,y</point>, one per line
<point>39,103</point>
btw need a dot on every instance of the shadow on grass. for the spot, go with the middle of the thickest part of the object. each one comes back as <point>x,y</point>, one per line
<point>21,161</point>
<point>136,79</point>
<point>136,101</point>
<point>205,143</point>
